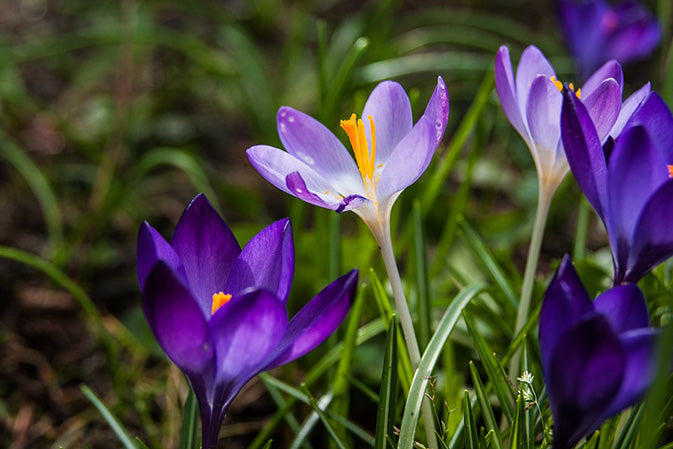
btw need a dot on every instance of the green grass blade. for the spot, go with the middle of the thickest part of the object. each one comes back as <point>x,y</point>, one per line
<point>141,444</point>
<point>472,441</point>
<point>517,437</point>
<point>494,371</point>
<point>39,184</point>
<point>422,283</point>
<point>325,420</point>
<point>486,409</point>
<point>427,363</point>
<point>189,434</point>
<point>113,422</point>
<point>388,396</point>
<point>482,253</point>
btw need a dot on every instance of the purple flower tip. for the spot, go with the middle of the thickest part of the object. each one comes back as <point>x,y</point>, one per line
<point>218,311</point>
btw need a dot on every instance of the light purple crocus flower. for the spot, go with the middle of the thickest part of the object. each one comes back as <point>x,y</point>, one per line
<point>627,180</point>
<point>219,312</point>
<point>597,32</point>
<point>598,357</point>
<point>390,153</point>
<point>532,103</point>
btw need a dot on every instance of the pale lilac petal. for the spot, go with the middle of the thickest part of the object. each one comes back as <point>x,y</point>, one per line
<point>389,107</point>
<point>635,172</point>
<point>652,237</point>
<point>531,65</point>
<point>266,262</point>
<point>317,320</point>
<point>629,106</point>
<point>624,306</point>
<point>639,371</point>
<point>542,113</point>
<point>586,371</point>
<point>297,187</point>
<point>584,152</point>
<point>245,331</point>
<point>152,248</point>
<point>316,146</point>
<point>207,249</point>
<point>414,153</point>
<point>603,105</point>
<point>565,301</point>
<point>609,70</point>
<point>176,321</point>
<point>504,85</point>
<point>275,165</point>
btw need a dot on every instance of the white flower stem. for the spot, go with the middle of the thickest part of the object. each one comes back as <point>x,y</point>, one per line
<point>382,235</point>
<point>545,195</point>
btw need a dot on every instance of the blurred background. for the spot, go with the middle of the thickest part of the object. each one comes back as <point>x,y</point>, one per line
<point>116,112</point>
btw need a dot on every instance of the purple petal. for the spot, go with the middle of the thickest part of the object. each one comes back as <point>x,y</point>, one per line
<point>603,105</point>
<point>565,301</point>
<point>635,172</point>
<point>414,153</point>
<point>177,322</point>
<point>640,349</point>
<point>638,33</point>
<point>389,107</point>
<point>531,65</point>
<point>245,331</point>
<point>275,165</point>
<point>207,249</point>
<point>609,70</point>
<point>624,306</point>
<point>316,146</point>
<point>317,320</point>
<point>586,371</point>
<point>652,238</point>
<point>542,113</point>
<point>655,116</point>
<point>504,85</point>
<point>584,152</point>
<point>581,23</point>
<point>152,248</point>
<point>629,106</point>
<point>266,262</point>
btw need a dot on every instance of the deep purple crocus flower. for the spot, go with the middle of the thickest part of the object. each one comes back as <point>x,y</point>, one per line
<point>390,153</point>
<point>627,180</point>
<point>219,312</point>
<point>597,357</point>
<point>597,32</point>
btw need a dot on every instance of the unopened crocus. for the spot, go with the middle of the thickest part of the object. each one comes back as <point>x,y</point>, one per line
<point>627,180</point>
<point>219,312</point>
<point>598,357</point>
<point>532,102</point>
<point>597,32</point>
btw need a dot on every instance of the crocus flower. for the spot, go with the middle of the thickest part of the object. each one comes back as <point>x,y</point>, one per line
<point>597,357</point>
<point>532,103</point>
<point>390,153</point>
<point>597,32</point>
<point>219,312</point>
<point>627,180</point>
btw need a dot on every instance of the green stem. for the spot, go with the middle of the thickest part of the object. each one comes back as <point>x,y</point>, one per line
<point>382,235</point>
<point>581,232</point>
<point>545,195</point>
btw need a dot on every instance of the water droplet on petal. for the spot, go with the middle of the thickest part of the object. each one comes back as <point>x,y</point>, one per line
<point>282,127</point>
<point>290,119</point>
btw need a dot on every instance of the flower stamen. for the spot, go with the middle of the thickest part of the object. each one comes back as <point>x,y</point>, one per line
<point>364,157</point>
<point>670,171</point>
<point>219,299</point>
<point>559,86</point>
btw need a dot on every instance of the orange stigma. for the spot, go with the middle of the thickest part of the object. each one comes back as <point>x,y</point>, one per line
<point>559,86</point>
<point>670,171</point>
<point>363,156</point>
<point>219,299</point>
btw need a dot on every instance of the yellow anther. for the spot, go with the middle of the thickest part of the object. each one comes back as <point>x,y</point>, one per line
<point>670,171</point>
<point>559,86</point>
<point>364,156</point>
<point>219,299</point>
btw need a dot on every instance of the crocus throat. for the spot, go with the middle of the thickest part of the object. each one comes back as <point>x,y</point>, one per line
<point>364,157</point>
<point>670,171</point>
<point>559,86</point>
<point>219,299</point>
